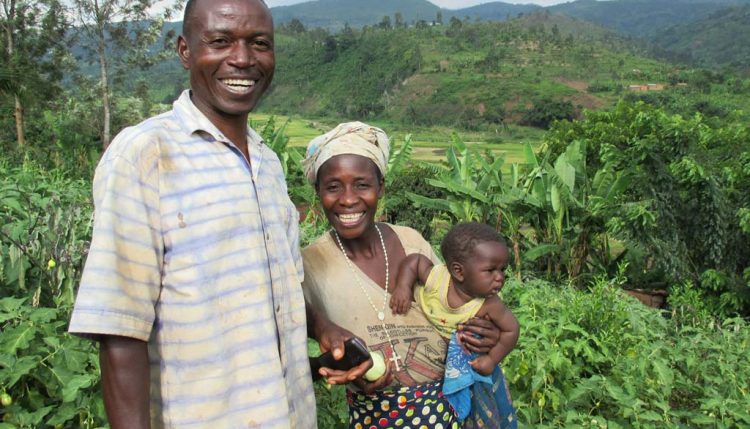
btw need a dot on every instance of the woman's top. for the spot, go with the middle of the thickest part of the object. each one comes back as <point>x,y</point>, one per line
<point>433,300</point>
<point>331,288</point>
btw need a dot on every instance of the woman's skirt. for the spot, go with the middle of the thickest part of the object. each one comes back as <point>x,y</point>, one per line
<point>420,407</point>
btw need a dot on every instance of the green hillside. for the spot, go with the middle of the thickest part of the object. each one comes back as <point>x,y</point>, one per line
<point>642,18</point>
<point>493,11</point>
<point>466,74</point>
<point>484,77</point>
<point>713,41</point>
<point>334,14</point>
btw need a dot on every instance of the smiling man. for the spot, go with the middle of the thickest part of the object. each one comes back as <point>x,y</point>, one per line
<point>192,282</point>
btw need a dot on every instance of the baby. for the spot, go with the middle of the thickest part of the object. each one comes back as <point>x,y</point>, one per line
<point>466,286</point>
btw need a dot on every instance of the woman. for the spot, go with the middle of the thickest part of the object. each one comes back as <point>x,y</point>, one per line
<point>349,273</point>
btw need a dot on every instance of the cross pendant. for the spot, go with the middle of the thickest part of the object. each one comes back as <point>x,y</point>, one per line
<point>395,358</point>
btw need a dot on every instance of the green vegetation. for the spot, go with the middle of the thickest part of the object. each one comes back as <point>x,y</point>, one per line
<point>335,14</point>
<point>600,359</point>
<point>476,77</point>
<point>588,356</point>
<point>712,41</point>
<point>605,189</point>
<point>51,377</point>
<point>641,17</point>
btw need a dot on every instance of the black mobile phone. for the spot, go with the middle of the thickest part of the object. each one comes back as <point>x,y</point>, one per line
<point>355,352</point>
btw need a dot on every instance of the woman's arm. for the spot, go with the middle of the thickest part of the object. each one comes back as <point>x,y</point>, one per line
<point>509,328</point>
<point>125,382</point>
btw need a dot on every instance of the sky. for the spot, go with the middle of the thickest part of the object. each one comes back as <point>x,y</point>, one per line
<point>448,4</point>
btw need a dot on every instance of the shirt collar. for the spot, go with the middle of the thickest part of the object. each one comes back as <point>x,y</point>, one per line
<point>194,121</point>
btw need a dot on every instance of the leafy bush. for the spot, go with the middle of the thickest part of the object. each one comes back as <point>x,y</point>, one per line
<point>681,209</point>
<point>603,86</point>
<point>599,358</point>
<point>545,111</point>
<point>51,377</point>
<point>398,207</point>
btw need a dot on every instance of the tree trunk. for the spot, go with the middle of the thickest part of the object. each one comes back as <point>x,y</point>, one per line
<point>18,114</point>
<point>580,253</point>
<point>104,81</point>
<point>10,12</point>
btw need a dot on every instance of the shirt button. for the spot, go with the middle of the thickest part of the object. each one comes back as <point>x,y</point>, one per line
<point>268,236</point>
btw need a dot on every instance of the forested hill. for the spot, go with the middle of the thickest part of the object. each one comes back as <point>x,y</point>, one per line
<point>458,74</point>
<point>493,11</point>
<point>334,14</point>
<point>640,18</point>
<point>722,39</point>
<point>643,18</point>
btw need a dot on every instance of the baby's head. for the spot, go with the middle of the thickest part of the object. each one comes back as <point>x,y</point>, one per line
<point>476,256</point>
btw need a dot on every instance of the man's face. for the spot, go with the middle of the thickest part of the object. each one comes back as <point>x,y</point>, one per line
<point>229,52</point>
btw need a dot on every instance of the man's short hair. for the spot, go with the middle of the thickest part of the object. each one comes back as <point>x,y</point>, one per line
<point>189,6</point>
<point>460,242</point>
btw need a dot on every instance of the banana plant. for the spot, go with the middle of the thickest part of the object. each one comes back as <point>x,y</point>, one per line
<point>278,141</point>
<point>572,208</point>
<point>399,158</point>
<point>469,180</point>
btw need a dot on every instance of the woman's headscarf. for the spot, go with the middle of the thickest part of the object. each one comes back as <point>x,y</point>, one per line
<point>355,138</point>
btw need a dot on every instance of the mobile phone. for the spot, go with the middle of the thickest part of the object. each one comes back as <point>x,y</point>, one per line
<point>355,352</point>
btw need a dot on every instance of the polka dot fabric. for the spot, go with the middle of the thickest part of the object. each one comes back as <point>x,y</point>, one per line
<point>421,407</point>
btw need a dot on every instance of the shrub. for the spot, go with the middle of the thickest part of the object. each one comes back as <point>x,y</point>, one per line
<point>599,358</point>
<point>399,209</point>
<point>545,111</point>
<point>51,377</point>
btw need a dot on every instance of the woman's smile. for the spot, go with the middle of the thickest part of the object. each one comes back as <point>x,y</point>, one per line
<point>350,219</point>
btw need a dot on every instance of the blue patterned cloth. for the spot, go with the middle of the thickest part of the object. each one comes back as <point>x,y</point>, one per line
<point>480,401</point>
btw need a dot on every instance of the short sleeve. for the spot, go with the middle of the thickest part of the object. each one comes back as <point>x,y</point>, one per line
<point>121,279</point>
<point>413,242</point>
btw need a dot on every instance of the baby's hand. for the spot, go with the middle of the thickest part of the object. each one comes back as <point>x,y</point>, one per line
<point>483,365</point>
<point>400,300</point>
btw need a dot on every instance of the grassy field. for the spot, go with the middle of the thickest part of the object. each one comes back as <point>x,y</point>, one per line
<point>430,143</point>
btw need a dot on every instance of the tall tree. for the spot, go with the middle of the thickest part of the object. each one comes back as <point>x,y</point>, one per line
<point>33,35</point>
<point>118,35</point>
<point>385,23</point>
<point>398,20</point>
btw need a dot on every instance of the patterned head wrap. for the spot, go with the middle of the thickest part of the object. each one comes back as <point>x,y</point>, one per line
<point>355,138</point>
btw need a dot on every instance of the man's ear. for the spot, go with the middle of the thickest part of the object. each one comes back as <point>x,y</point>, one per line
<point>183,51</point>
<point>457,271</point>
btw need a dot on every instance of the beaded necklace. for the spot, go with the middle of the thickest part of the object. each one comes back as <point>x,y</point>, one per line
<point>380,313</point>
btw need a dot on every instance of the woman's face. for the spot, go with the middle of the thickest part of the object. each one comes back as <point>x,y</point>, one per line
<point>349,188</point>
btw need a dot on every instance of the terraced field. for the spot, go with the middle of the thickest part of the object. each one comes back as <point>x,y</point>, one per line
<point>430,144</point>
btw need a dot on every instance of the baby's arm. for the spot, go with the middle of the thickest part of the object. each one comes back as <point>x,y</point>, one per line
<point>509,328</point>
<point>414,268</point>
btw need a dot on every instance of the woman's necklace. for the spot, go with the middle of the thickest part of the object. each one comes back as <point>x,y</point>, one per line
<point>380,313</point>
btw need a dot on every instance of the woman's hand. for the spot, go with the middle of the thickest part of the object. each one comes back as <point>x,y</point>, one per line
<point>489,334</point>
<point>334,376</point>
<point>332,337</point>
<point>370,387</point>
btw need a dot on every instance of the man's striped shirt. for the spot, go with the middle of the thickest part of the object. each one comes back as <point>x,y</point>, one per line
<point>196,251</point>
